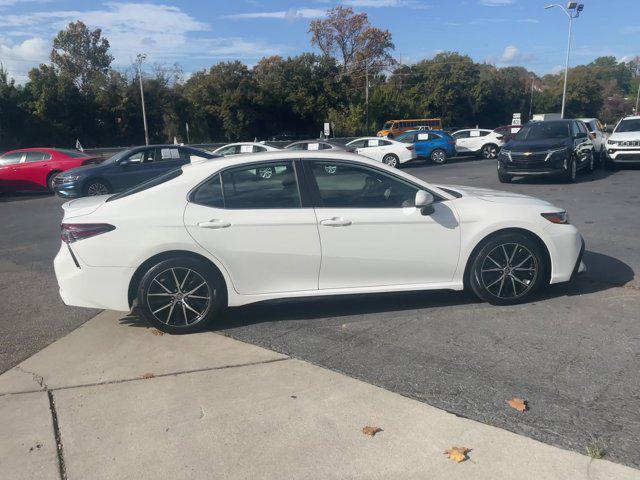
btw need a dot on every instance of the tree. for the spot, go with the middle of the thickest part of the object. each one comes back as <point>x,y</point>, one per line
<point>82,55</point>
<point>11,115</point>
<point>352,40</point>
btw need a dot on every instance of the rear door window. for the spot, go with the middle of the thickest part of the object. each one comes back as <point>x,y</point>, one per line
<point>37,157</point>
<point>261,186</point>
<point>11,158</point>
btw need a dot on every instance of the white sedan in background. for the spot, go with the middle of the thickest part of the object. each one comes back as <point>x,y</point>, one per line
<point>478,141</point>
<point>243,147</point>
<point>185,245</point>
<point>391,152</point>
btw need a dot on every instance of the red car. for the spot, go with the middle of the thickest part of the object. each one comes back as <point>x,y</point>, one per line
<point>35,168</point>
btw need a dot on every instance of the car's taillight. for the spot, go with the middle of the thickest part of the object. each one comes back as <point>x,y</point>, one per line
<point>72,232</point>
<point>410,147</point>
<point>499,137</point>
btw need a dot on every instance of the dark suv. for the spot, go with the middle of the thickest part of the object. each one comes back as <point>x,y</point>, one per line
<point>125,169</point>
<point>551,148</point>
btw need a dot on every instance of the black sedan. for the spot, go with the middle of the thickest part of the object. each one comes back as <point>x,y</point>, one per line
<point>558,148</point>
<point>126,169</point>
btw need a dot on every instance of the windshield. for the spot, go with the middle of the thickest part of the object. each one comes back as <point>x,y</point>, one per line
<point>631,125</point>
<point>544,131</point>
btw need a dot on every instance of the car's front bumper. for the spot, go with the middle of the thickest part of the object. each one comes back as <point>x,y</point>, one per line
<point>92,287</point>
<point>624,155</point>
<point>566,248</point>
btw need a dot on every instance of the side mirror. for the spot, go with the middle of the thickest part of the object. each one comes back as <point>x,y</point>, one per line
<point>424,201</point>
<point>124,162</point>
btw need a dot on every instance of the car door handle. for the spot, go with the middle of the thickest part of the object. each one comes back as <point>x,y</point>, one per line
<point>335,222</point>
<point>215,223</point>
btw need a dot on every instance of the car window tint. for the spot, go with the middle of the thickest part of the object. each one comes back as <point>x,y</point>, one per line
<point>257,148</point>
<point>385,142</point>
<point>37,157</point>
<point>434,136</point>
<point>297,146</point>
<point>461,134</point>
<point>261,186</point>
<point>209,193</point>
<point>169,154</point>
<point>358,144</point>
<point>484,133</point>
<point>10,158</point>
<point>322,146</point>
<point>141,156</point>
<point>355,186</point>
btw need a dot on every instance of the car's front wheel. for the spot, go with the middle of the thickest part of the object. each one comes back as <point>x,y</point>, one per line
<point>508,269</point>
<point>181,295</point>
<point>96,187</point>
<point>571,172</point>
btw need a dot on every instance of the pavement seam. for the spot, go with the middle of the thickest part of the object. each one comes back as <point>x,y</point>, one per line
<point>137,379</point>
<point>57,436</point>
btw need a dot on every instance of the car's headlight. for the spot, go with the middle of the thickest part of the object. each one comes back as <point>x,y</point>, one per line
<point>561,153</point>
<point>69,178</point>
<point>612,142</point>
<point>505,154</point>
<point>557,217</point>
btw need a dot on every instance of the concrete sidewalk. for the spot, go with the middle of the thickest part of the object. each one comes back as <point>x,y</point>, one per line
<point>126,403</point>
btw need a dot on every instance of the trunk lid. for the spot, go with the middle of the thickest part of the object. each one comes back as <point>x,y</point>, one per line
<point>83,206</point>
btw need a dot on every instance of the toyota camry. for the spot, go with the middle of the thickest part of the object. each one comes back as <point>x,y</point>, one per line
<point>185,245</point>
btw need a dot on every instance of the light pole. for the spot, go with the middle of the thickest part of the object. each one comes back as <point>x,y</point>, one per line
<point>139,59</point>
<point>572,11</point>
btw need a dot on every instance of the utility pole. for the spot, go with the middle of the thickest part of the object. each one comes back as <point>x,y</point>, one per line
<point>366,91</point>
<point>533,79</point>
<point>638,96</point>
<point>572,11</point>
<point>139,59</point>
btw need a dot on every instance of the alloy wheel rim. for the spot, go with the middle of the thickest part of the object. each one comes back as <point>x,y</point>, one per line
<point>509,271</point>
<point>489,152</point>
<point>266,173</point>
<point>179,297</point>
<point>97,189</point>
<point>391,161</point>
<point>438,156</point>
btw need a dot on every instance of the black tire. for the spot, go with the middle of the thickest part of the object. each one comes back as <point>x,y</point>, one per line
<point>591,166</point>
<point>391,160</point>
<point>498,287</point>
<point>160,292</point>
<point>489,151</point>
<point>504,178</point>
<point>97,187</point>
<point>572,172</point>
<point>50,180</point>
<point>438,156</point>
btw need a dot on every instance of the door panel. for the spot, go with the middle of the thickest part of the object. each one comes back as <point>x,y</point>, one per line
<point>372,235</point>
<point>388,246</point>
<point>267,243</point>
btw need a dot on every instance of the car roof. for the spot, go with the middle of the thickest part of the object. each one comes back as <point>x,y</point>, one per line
<point>367,138</point>
<point>203,168</point>
<point>328,142</point>
<point>632,117</point>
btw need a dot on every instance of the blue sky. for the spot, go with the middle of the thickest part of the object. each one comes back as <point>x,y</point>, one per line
<point>198,33</point>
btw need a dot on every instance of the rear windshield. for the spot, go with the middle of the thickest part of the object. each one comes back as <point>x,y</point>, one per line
<point>544,131</point>
<point>154,182</point>
<point>631,125</point>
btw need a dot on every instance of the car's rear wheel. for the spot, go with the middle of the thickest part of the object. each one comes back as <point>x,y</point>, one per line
<point>438,156</point>
<point>489,151</point>
<point>96,187</point>
<point>181,295</point>
<point>52,176</point>
<point>508,269</point>
<point>391,160</point>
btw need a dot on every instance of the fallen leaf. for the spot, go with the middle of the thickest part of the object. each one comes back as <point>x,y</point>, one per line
<point>371,431</point>
<point>157,332</point>
<point>147,375</point>
<point>518,403</point>
<point>458,454</point>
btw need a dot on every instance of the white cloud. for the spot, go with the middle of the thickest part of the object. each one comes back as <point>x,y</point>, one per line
<point>291,14</point>
<point>10,3</point>
<point>163,32</point>
<point>18,58</point>
<point>510,56</point>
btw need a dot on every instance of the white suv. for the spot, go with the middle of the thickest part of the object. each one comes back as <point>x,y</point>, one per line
<point>478,141</point>
<point>623,146</point>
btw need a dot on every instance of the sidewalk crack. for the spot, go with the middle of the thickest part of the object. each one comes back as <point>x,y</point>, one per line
<point>39,379</point>
<point>58,438</point>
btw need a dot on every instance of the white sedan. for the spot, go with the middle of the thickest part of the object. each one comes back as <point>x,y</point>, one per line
<point>243,147</point>
<point>387,151</point>
<point>187,244</point>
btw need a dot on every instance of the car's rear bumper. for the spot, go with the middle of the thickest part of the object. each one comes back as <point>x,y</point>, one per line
<point>91,287</point>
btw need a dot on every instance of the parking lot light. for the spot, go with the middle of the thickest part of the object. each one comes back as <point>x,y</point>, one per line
<point>139,59</point>
<point>572,11</point>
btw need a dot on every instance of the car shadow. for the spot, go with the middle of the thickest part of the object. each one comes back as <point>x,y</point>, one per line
<point>23,196</point>
<point>582,177</point>
<point>604,272</point>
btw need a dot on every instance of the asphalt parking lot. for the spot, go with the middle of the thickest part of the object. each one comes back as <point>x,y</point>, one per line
<point>573,354</point>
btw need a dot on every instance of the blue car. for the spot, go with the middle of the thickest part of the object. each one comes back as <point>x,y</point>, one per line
<point>125,169</point>
<point>434,145</point>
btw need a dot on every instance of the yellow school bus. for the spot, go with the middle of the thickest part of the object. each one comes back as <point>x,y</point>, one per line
<point>393,128</point>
